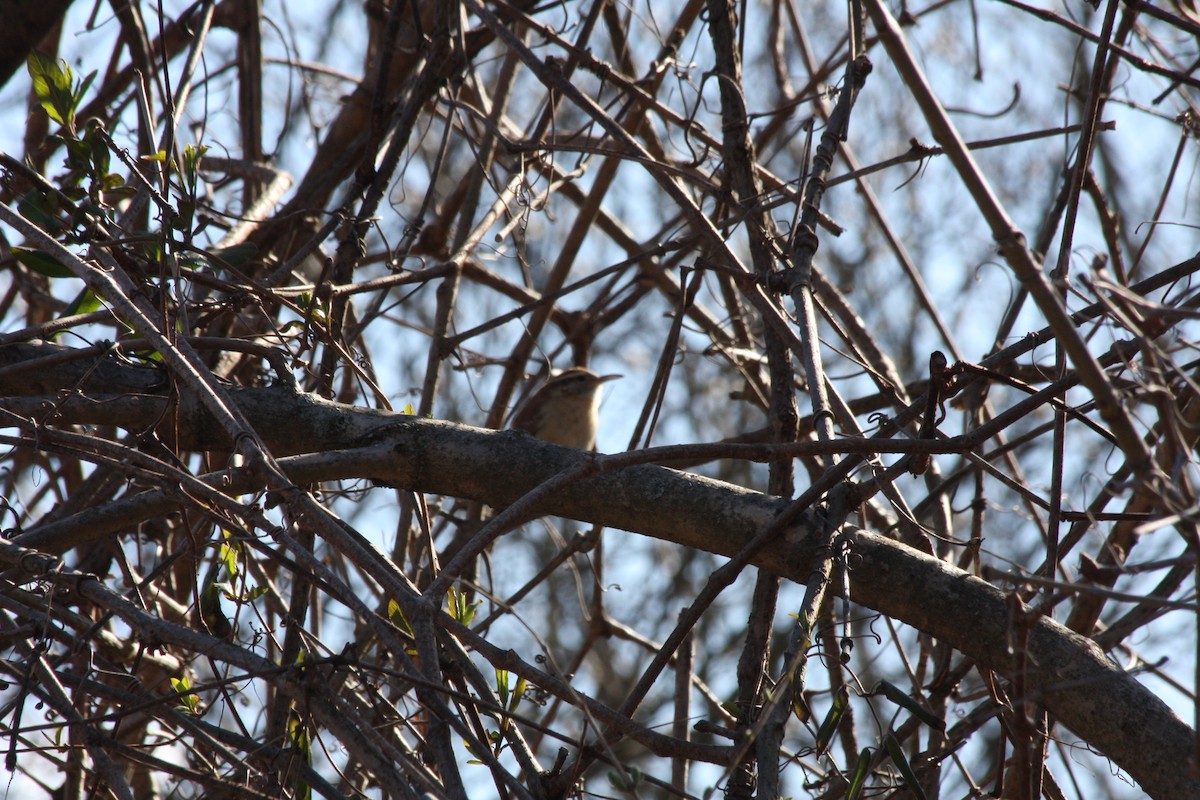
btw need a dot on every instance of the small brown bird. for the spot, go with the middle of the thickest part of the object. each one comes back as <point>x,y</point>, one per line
<point>565,410</point>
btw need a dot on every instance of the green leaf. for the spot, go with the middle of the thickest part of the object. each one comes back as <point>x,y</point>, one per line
<point>502,685</point>
<point>192,156</point>
<point>183,687</point>
<point>460,608</point>
<point>79,153</point>
<point>51,85</point>
<point>901,761</point>
<point>301,737</point>
<point>229,557</point>
<point>192,261</point>
<point>518,693</point>
<point>829,724</point>
<point>56,89</point>
<point>40,208</point>
<point>315,307</point>
<point>84,303</point>
<point>858,779</point>
<point>471,751</point>
<point>627,782</point>
<point>237,255</point>
<point>396,615</point>
<point>894,693</point>
<point>212,613</point>
<point>800,707</point>
<point>100,155</point>
<point>298,733</point>
<point>42,262</point>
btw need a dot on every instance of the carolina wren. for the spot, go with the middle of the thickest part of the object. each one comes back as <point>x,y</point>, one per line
<point>565,410</point>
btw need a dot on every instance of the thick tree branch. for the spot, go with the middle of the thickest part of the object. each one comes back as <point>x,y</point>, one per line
<point>1069,673</point>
